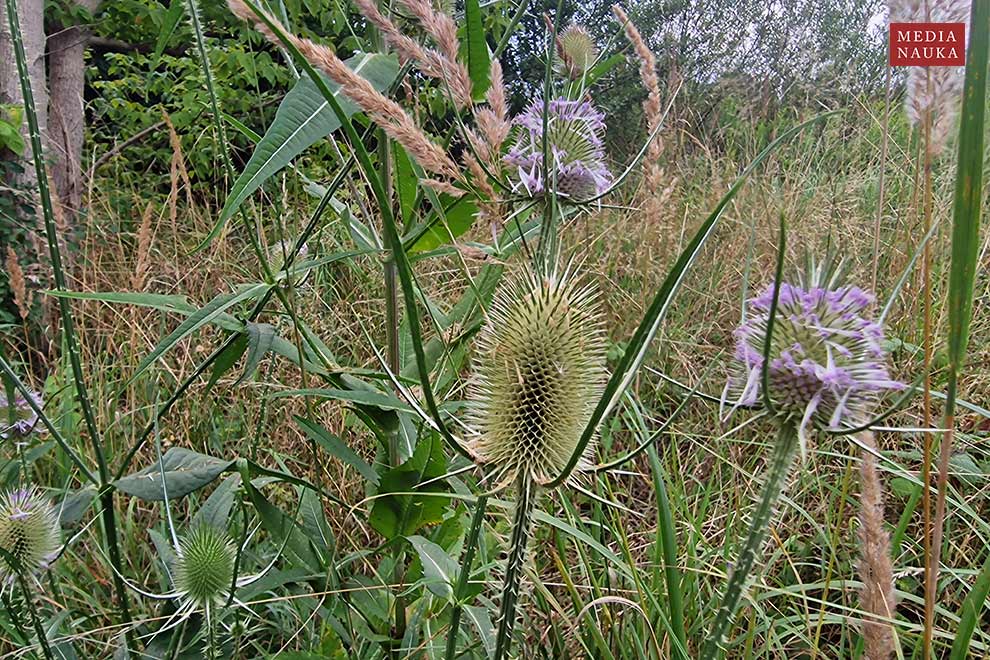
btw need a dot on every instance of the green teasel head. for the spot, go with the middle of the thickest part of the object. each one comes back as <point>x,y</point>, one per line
<point>577,50</point>
<point>538,374</point>
<point>29,533</point>
<point>204,571</point>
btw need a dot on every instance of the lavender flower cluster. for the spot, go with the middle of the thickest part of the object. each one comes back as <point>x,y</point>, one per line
<point>827,360</point>
<point>577,170</point>
<point>24,417</point>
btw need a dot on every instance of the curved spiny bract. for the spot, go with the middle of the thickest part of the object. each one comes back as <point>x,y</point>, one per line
<point>539,371</point>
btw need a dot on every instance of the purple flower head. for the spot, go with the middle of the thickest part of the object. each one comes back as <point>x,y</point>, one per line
<point>577,167</point>
<point>827,364</point>
<point>24,417</point>
<point>29,532</point>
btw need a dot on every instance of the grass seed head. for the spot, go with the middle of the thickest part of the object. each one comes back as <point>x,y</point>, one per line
<point>539,372</point>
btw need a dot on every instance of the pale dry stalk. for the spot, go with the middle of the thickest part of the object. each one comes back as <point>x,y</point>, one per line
<point>876,597</point>
<point>18,284</point>
<point>653,172</point>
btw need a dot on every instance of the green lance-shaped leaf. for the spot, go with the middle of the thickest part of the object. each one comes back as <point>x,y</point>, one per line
<point>783,456</point>
<point>478,60</point>
<point>184,471</point>
<point>303,118</point>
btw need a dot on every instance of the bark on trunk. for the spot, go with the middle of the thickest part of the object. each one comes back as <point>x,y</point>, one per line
<point>66,118</point>
<point>31,15</point>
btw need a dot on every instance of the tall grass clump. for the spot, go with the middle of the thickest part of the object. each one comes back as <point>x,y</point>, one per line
<point>438,400</point>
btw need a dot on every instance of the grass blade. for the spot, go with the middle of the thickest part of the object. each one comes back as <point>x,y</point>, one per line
<point>962,270</point>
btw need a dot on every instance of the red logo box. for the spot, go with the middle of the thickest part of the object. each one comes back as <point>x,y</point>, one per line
<point>927,44</point>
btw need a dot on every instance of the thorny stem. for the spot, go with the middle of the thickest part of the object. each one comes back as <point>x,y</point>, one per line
<point>783,456</point>
<point>465,575</point>
<point>522,522</point>
<point>65,312</point>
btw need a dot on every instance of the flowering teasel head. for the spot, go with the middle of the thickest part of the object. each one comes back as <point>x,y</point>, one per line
<point>577,51</point>
<point>577,169</point>
<point>204,571</point>
<point>24,420</point>
<point>29,533</point>
<point>827,363</point>
<point>539,372</point>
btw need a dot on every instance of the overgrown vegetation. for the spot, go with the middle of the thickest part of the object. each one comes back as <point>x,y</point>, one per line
<point>418,331</point>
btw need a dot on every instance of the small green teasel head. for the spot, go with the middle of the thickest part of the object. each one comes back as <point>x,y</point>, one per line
<point>577,50</point>
<point>539,372</point>
<point>29,533</point>
<point>204,571</point>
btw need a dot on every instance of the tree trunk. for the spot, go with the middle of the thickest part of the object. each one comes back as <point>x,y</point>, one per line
<point>31,14</point>
<point>66,80</point>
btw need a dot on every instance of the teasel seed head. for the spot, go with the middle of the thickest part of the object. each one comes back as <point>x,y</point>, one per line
<point>29,532</point>
<point>577,50</point>
<point>539,372</point>
<point>577,166</point>
<point>205,567</point>
<point>828,364</point>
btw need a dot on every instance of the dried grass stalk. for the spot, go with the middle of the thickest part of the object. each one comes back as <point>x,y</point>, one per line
<point>431,62</point>
<point>388,114</point>
<point>877,594</point>
<point>18,284</point>
<point>653,172</point>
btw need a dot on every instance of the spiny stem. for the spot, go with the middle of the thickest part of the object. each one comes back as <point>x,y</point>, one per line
<point>522,521</point>
<point>465,575</point>
<point>783,455</point>
<point>65,312</point>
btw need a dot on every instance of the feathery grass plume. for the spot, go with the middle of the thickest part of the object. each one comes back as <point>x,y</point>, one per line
<point>430,62</point>
<point>17,417</point>
<point>443,30</point>
<point>538,374</point>
<point>577,170</point>
<point>933,92</point>
<point>29,532</point>
<point>875,569</point>
<point>577,51</point>
<point>18,284</point>
<point>388,114</point>
<point>828,366</point>
<point>204,570</point>
<point>653,175</point>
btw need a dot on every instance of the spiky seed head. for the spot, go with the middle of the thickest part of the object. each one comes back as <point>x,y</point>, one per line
<point>25,419</point>
<point>29,532</point>
<point>828,364</point>
<point>577,168</point>
<point>205,566</point>
<point>578,51</point>
<point>538,373</point>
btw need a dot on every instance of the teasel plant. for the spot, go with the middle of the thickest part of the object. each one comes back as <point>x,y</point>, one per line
<point>810,357</point>
<point>204,566</point>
